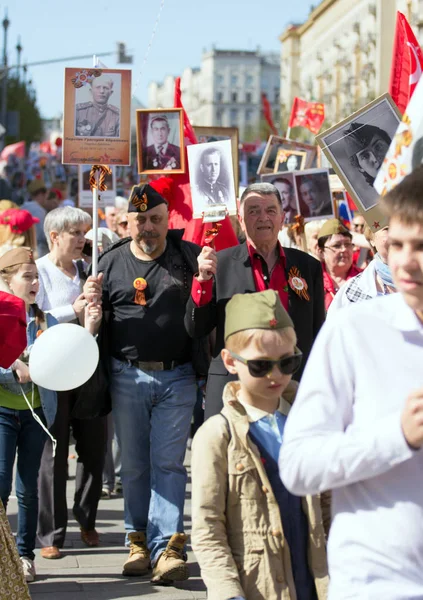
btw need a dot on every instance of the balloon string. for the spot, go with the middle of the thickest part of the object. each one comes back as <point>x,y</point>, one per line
<point>153,35</point>
<point>37,418</point>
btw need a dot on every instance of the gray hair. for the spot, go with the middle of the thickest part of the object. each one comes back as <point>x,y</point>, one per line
<point>263,188</point>
<point>63,218</point>
<point>313,227</point>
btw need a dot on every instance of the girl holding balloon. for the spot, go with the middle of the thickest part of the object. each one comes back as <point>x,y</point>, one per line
<point>26,410</point>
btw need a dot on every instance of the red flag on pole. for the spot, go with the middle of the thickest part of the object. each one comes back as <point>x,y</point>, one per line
<point>407,63</point>
<point>267,113</point>
<point>189,133</point>
<point>307,114</point>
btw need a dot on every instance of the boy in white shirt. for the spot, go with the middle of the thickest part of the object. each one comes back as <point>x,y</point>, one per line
<point>357,424</point>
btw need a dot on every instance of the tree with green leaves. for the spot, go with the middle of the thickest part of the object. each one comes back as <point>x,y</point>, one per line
<point>22,99</point>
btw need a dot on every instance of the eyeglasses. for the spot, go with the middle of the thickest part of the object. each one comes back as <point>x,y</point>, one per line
<point>338,247</point>
<point>261,367</point>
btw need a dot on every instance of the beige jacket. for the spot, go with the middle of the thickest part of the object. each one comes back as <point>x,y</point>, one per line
<point>237,533</point>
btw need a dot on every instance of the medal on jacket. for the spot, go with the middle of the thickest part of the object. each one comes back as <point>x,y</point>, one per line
<point>140,285</point>
<point>297,283</point>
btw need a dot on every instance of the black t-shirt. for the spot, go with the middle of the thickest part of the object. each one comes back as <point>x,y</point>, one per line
<point>154,332</point>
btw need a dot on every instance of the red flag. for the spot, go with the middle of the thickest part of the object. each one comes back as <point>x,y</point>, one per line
<point>267,113</point>
<point>307,114</point>
<point>46,148</point>
<point>189,133</point>
<point>17,149</point>
<point>407,63</point>
<point>177,191</point>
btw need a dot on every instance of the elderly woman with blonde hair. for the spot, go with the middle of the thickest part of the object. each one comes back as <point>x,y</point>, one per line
<point>311,230</point>
<point>61,293</point>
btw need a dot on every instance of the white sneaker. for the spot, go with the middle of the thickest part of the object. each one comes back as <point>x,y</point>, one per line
<point>28,568</point>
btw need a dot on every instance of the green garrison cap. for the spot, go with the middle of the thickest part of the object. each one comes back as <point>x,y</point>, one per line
<point>332,227</point>
<point>262,310</point>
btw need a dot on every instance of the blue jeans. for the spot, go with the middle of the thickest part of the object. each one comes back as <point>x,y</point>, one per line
<point>19,432</point>
<point>152,411</point>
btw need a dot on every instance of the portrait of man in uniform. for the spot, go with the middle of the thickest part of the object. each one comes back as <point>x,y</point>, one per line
<point>211,172</point>
<point>212,190</point>
<point>161,154</point>
<point>98,117</point>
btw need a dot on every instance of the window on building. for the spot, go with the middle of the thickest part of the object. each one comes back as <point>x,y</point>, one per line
<point>219,80</point>
<point>234,97</point>
<point>234,117</point>
<point>277,95</point>
<point>234,80</point>
<point>219,97</point>
<point>249,115</point>
<point>248,97</point>
<point>219,118</point>
<point>249,80</point>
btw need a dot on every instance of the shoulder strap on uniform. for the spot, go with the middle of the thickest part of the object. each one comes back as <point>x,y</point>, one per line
<point>83,105</point>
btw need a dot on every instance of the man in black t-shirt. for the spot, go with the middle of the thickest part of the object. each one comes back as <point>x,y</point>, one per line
<point>146,281</point>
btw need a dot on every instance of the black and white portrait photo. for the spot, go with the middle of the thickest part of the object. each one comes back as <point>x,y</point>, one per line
<point>357,146</point>
<point>98,106</point>
<point>290,160</point>
<point>284,183</point>
<point>160,141</point>
<point>211,176</point>
<point>314,194</point>
<point>279,151</point>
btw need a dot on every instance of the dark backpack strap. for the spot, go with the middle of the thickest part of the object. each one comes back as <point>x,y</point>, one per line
<point>227,425</point>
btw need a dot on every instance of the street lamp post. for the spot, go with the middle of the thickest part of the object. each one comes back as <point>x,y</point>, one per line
<point>3,117</point>
<point>18,62</point>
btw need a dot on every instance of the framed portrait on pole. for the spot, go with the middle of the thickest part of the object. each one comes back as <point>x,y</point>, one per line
<point>356,148</point>
<point>281,155</point>
<point>97,115</point>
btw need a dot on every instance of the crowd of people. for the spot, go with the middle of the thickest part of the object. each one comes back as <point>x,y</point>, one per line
<point>307,461</point>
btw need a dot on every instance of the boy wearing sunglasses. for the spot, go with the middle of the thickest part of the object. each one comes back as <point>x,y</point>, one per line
<point>252,538</point>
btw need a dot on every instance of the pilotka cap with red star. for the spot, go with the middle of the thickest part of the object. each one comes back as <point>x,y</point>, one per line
<point>261,310</point>
<point>143,198</point>
<point>15,257</point>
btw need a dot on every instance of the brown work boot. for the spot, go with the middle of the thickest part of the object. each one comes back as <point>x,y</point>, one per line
<point>138,561</point>
<point>171,565</point>
<point>51,552</point>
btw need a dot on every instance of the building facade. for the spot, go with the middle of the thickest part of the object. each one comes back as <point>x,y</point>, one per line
<point>226,90</point>
<point>342,54</point>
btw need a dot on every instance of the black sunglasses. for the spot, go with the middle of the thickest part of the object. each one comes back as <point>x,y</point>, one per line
<point>262,366</point>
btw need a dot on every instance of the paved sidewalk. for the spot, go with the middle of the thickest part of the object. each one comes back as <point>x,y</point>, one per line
<point>95,573</point>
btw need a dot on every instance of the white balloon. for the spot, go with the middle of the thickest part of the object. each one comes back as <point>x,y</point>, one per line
<point>63,357</point>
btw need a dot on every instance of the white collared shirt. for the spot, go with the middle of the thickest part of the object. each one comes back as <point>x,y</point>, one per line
<point>256,414</point>
<point>344,433</point>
